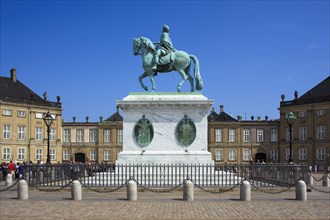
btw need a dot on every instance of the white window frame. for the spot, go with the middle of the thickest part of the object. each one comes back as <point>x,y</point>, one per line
<point>92,155</point>
<point>303,133</point>
<point>92,135</point>
<point>67,135</point>
<point>38,133</point>
<point>218,135</point>
<point>320,153</point>
<point>21,153</point>
<point>119,135</point>
<point>246,154</point>
<point>52,134</point>
<point>303,114</point>
<point>6,132</point>
<point>232,154</point>
<point>7,112</point>
<point>273,135</point>
<point>21,114</point>
<point>6,153</point>
<point>320,132</point>
<point>287,153</point>
<point>39,115</point>
<point>287,136</point>
<point>39,154</point>
<point>320,112</point>
<point>21,133</point>
<point>260,135</point>
<point>218,154</point>
<point>52,154</point>
<point>246,135</point>
<point>107,135</point>
<point>231,135</point>
<point>303,153</point>
<point>107,155</point>
<point>80,135</point>
<point>66,154</point>
<point>274,154</point>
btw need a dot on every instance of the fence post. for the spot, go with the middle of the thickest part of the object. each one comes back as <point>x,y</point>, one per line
<point>76,190</point>
<point>325,180</point>
<point>22,190</point>
<point>310,179</point>
<point>245,191</point>
<point>188,190</point>
<point>9,180</point>
<point>131,190</point>
<point>301,192</point>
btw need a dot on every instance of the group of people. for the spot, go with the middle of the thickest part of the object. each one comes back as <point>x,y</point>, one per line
<point>15,169</point>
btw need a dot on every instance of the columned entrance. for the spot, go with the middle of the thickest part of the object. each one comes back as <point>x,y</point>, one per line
<point>260,157</point>
<point>79,157</point>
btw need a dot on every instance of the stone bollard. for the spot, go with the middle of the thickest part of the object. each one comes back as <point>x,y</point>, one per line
<point>22,190</point>
<point>301,192</point>
<point>188,190</point>
<point>76,190</point>
<point>325,180</point>
<point>9,180</point>
<point>310,179</point>
<point>245,191</point>
<point>131,190</point>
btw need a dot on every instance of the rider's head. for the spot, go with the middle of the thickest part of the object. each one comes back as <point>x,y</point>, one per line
<point>166,28</point>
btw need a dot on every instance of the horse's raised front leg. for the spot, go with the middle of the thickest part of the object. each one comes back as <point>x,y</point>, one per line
<point>142,76</point>
<point>184,78</point>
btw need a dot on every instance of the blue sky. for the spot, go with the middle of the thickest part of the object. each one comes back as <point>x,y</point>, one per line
<point>250,52</point>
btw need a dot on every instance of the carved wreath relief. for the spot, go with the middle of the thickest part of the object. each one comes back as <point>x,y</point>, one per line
<point>185,131</point>
<point>143,132</point>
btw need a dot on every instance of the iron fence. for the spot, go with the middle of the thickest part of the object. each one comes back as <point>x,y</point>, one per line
<point>164,176</point>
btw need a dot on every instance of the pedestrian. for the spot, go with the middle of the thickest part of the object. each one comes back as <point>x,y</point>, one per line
<point>4,170</point>
<point>11,168</point>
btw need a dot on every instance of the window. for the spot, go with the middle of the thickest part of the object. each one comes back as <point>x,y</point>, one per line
<point>320,112</point>
<point>106,155</point>
<point>320,153</point>
<point>67,135</point>
<point>92,154</point>
<point>66,155</point>
<point>6,112</point>
<point>219,154</point>
<point>274,154</point>
<point>92,135</point>
<point>302,133</point>
<point>119,135</point>
<point>232,155</point>
<point>52,134</point>
<point>320,132</point>
<point>80,135</point>
<point>21,154</point>
<point>21,132</point>
<point>107,135</point>
<point>246,135</point>
<point>39,154</point>
<point>287,152</point>
<point>38,134</point>
<point>303,114</point>
<point>287,136</point>
<point>218,135</point>
<point>21,114</point>
<point>273,135</point>
<point>260,135</point>
<point>232,135</point>
<point>6,131</point>
<point>246,154</point>
<point>52,154</point>
<point>6,153</point>
<point>302,154</point>
<point>39,115</point>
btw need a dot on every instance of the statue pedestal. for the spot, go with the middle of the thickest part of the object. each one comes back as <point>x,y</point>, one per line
<point>165,128</point>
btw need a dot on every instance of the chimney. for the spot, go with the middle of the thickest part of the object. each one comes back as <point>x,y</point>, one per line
<point>259,119</point>
<point>13,75</point>
<point>117,109</point>
<point>101,119</point>
<point>221,108</point>
<point>212,109</point>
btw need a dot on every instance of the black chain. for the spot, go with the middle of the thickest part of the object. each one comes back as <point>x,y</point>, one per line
<point>219,189</point>
<point>272,192</point>
<point>8,188</point>
<point>317,180</point>
<point>104,191</point>
<point>318,190</point>
<point>156,190</point>
<point>53,190</point>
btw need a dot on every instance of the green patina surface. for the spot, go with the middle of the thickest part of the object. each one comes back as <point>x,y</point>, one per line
<point>165,93</point>
<point>143,132</point>
<point>185,131</point>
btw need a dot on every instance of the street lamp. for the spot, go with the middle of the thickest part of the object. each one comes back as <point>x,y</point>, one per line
<point>48,119</point>
<point>290,119</point>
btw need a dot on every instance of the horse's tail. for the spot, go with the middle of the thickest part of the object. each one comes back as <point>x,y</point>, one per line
<point>198,78</point>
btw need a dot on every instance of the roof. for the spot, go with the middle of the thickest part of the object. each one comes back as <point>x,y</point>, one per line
<point>17,92</point>
<point>115,117</point>
<point>223,116</point>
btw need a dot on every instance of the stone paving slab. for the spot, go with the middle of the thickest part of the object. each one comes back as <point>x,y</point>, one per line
<point>58,205</point>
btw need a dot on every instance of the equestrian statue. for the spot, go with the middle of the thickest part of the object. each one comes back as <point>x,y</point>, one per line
<point>163,58</point>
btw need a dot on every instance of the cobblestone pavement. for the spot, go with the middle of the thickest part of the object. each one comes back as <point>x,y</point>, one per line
<point>58,205</point>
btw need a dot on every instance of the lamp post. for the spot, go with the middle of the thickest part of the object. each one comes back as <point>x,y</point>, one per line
<point>48,119</point>
<point>290,119</point>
